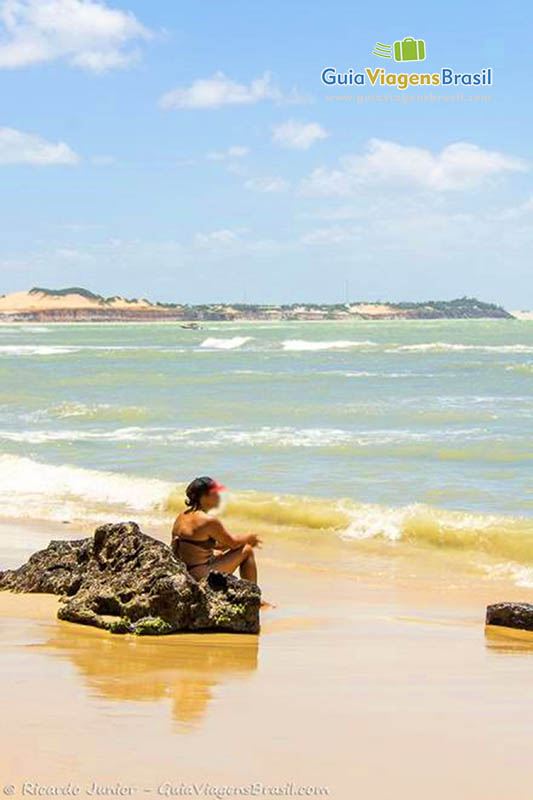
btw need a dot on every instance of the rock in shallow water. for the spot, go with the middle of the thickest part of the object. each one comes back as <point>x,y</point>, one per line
<point>127,582</point>
<point>511,615</point>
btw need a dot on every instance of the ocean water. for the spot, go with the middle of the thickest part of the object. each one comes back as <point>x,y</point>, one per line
<point>416,432</point>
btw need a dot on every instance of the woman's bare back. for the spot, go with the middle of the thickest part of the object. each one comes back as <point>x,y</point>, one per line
<point>194,537</point>
<point>192,525</point>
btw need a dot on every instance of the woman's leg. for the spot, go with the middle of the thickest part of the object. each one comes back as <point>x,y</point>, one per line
<point>242,557</point>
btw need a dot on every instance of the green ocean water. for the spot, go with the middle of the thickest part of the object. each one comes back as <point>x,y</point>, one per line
<point>432,414</point>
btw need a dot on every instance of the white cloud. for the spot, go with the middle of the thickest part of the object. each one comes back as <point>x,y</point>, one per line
<point>221,91</point>
<point>71,254</point>
<point>524,209</point>
<point>222,237</point>
<point>234,243</point>
<point>298,135</point>
<point>88,34</point>
<point>270,184</point>
<point>17,147</point>
<point>236,151</point>
<point>443,228</point>
<point>458,166</point>
<point>336,234</point>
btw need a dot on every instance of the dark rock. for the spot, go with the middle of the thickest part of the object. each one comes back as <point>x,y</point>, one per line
<point>511,615</point>
<point>127,582</point>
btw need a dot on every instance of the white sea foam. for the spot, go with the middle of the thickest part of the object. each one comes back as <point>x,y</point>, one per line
<point>97,411</point>
<point>354,374</point>
<point>364,374</point>
<point>130,434</point>
<point>36,350</point>
<point>408,522</point>
<point>23,329</point>
<point>32,489</point>
<point>214,343</point>
<point>371,521</point>
<point>52,350</point>
<point>266,436</point>
<point>340,344</point>
<point>445,347</point>
<point>520,575</point>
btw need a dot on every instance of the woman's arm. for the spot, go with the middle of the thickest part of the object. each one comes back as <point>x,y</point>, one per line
<point>229,540</point>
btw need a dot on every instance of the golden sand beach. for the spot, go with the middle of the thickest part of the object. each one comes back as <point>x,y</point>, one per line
<point>353,687</point>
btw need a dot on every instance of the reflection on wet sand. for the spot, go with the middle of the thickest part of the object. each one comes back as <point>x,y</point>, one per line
<point>184,668</point>
<point>508,640</point>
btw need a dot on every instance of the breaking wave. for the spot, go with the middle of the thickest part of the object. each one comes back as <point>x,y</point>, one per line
<point>287,345</point>
<point>57,350</point>
<point>270,437</point>
<point>214,343</point>
<point>446,347</point>
<point>36,350</point>
<point>341,344</point>
<point>31,489</point>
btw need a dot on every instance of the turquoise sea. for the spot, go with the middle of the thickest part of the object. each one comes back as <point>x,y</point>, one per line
<point>381,422</point>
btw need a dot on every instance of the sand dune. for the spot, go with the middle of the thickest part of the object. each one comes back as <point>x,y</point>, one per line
<point>44,300</point>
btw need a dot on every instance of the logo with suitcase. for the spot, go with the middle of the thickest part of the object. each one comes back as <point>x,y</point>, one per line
<point>407,49</point>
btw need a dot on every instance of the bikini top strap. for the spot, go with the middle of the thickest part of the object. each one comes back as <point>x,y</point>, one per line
<point>203,544</point>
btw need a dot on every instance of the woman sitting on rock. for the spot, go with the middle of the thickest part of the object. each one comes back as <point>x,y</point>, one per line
<point>202,541</point>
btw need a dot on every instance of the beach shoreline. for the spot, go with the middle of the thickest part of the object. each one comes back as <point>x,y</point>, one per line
<point>385,468</point>
<point>202,323</point>
<point>381,672</point>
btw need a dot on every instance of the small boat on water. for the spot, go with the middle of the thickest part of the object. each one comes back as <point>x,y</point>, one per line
<point>191,326</point>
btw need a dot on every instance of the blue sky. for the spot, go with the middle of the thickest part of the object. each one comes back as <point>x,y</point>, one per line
<point>190,152</point>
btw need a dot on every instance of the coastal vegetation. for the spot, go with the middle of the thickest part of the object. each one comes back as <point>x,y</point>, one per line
<point>79,304</point>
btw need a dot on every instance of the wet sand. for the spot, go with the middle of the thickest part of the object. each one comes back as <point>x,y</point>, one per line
<point>366,689</point>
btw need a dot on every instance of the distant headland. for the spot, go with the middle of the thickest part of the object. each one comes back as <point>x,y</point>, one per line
<point>75,304</point>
